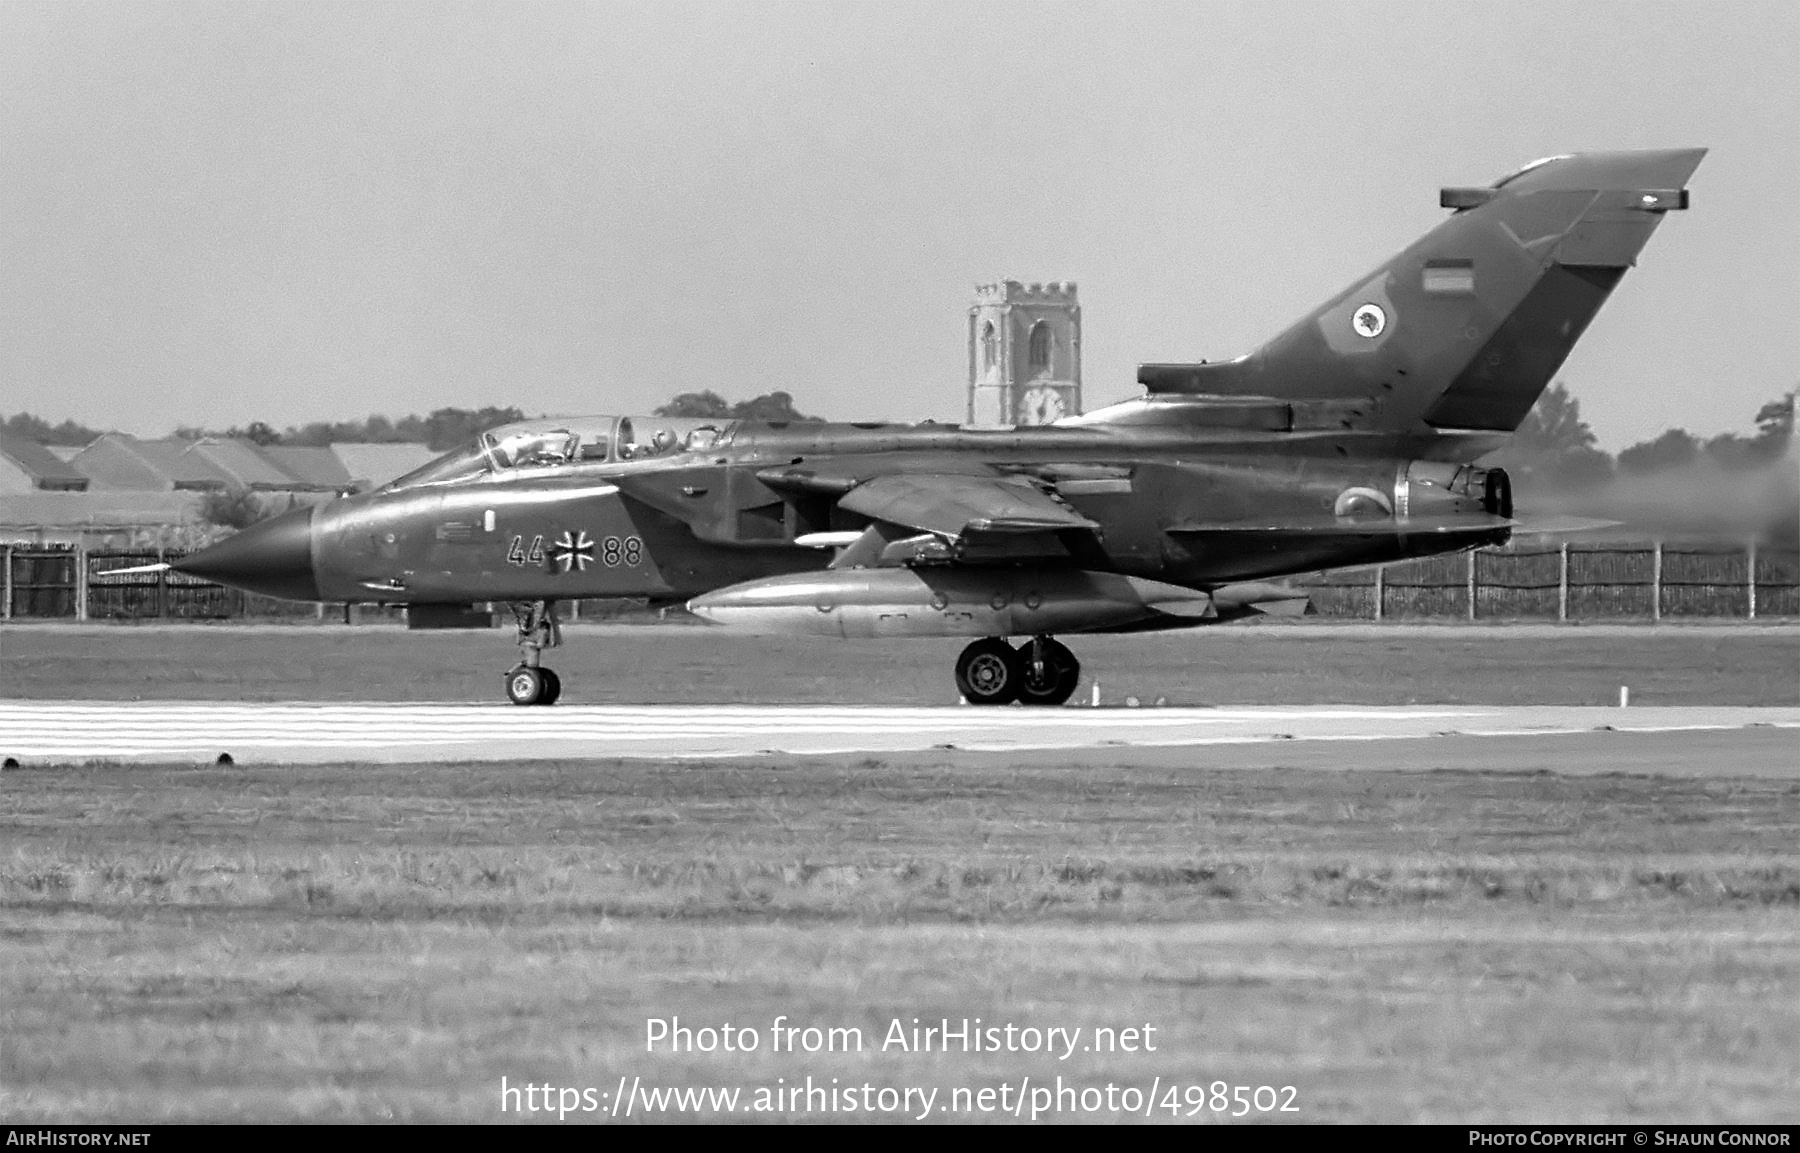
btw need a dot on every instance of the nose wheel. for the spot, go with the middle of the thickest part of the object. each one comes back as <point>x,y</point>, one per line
<point>528,686</point>
<point>1041,671</point>
<point>529,683</point>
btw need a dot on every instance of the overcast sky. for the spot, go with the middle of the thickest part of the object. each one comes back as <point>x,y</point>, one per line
<point>217,213</point>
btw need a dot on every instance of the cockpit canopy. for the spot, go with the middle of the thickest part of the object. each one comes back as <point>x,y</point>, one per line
<point>551,444</point>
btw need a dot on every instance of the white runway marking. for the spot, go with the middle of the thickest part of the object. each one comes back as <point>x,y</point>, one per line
<point>179,731</point>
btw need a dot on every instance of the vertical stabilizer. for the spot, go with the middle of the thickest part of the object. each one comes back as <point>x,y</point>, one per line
<point>1466,327</point>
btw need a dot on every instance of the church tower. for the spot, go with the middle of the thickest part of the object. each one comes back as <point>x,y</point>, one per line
<point>1024,353</point>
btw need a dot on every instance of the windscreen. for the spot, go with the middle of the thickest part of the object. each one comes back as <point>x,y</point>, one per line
<point>492,451</point>
<point>471,460</point>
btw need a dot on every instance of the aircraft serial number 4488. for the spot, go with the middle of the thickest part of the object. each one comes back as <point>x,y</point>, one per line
<point>1342,441</point>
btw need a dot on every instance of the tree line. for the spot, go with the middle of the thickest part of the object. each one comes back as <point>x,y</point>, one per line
<point>1674,485</point>
<point>440,430</point>
<point>772,406</point>
<point>25,426</point>
<point>1555,448</point>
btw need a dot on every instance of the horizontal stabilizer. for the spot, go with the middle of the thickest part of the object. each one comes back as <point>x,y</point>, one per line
<point>1563,526</point>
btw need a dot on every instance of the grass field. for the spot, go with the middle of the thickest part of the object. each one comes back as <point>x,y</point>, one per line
<point>373,942</point>
<point>1451,932</point>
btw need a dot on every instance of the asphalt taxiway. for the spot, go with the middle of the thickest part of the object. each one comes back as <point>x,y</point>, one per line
<point>75,732</point>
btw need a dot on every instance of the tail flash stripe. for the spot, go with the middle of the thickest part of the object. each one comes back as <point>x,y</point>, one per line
<point>1449,278</point>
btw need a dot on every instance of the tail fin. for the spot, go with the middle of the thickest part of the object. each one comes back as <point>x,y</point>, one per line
<point>1464,329</point>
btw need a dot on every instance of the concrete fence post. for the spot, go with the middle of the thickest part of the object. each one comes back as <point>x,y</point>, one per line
<point>6,609</point>
<point>162,585</point>
<point>1469,582</point>
<point>81,582</point>
<point>1750,581</point>
<point>1656,562</point>
<point>1380,589</point>
<point>1562,583</point>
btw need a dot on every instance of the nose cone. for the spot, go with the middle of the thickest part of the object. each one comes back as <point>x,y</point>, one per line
<point>274,558</point>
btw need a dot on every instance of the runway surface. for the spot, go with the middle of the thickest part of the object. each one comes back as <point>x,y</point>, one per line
<point>64,732</point>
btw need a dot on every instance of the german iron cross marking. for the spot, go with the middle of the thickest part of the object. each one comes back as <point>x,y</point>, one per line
<point>571,552</point>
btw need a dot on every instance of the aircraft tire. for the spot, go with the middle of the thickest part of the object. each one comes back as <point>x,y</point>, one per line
<point>988,673</point>
<point>1062,672</point>
<point>525,686</point>
<point>552,687</point>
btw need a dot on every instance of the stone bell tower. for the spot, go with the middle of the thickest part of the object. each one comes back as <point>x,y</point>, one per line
<point>1024,353</point>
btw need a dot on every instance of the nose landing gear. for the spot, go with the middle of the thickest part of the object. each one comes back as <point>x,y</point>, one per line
<point>529,686</point>
<point>529,683</point>
<point>1042,671</point>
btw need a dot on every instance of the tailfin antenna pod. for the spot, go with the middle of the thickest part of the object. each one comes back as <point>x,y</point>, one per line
<point>1465,327</point>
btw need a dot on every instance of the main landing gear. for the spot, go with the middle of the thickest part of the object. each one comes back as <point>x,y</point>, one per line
<point>529,683</point>
<point>1039,672</point>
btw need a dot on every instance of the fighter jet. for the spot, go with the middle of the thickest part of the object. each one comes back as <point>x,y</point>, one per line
<point>1349,439</point>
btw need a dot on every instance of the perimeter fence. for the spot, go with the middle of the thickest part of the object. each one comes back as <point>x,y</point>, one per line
<point>1600,581</point>
<point>85,584</point>
<point>1570,582</point>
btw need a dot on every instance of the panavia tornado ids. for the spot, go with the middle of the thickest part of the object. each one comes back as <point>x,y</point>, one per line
<point>1349,439</point>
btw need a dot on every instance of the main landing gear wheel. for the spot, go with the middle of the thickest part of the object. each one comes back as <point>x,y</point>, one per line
<point>988,673</point>
<point>1048,672</point>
